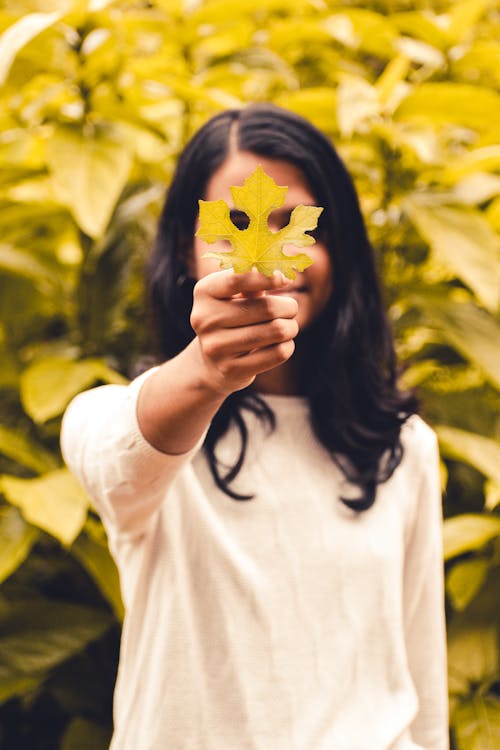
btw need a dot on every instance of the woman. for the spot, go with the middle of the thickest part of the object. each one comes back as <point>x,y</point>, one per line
<point>270,496</point>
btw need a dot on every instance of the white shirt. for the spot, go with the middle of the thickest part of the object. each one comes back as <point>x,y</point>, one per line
<point>285,622</point>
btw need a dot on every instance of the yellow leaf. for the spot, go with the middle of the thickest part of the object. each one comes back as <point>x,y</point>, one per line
<point>463,240</point>
<point>54,502</point>
<point>17,36</point>
<point>464,16</point>
<point>395,72</point>
<point>49,384</point>
<point>88,172</point>
<point>257,245</point>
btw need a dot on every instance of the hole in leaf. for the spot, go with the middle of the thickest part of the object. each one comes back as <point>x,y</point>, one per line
<point>239,219</point>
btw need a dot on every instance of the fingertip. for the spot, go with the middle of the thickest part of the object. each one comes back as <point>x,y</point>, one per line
<point>278,278</point>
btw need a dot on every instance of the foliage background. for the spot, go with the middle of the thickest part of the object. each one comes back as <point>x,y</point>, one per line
<point>97,98</point>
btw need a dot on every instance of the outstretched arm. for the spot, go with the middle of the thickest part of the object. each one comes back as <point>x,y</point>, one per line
<point>126,443</point>
<point>240,333</point>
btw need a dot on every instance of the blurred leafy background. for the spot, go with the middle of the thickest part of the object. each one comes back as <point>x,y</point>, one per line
<point>97,99</point>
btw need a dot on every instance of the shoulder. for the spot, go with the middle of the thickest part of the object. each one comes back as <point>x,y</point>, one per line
<point>419,442</point>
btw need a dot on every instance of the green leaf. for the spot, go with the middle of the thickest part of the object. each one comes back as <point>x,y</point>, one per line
<point>469,532</point>
<point>55,502</point>
<point>38,634</point>
<point>91,549</point>
<point>476,724</point>
<point>17,36</point>
<point>465,243</point>
<point>89,173</point>
<point>464,581</point>
<point>85,735</point>
<point>257,245</point>
<point>25,451</point>
<point>458,103</point>
<point>481,452</point>
<point>16,540</point>
<point>48,385</point>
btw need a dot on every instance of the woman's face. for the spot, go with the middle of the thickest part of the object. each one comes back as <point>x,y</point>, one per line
<point>311,288</point>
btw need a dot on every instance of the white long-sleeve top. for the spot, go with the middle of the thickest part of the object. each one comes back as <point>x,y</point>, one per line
<point>286,622</point>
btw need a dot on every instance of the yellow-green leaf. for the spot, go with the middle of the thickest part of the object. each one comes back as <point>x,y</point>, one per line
<point>25,264</point>
<point>468,533</point>
<point>420,25</point>
<point>16,540</point>
<point>491,494</point>
<point>464,15</point>
<point>485,159</point>
<point>39,634</point>
<point>481,452</point>
<point>89,173</point>
<point>471,330</point>
<point>317,103</point>
<point>481,62</point>
<point>48,385</point>
<point>27,452</point>
<point>91,549</point>
<point>394,72</point>
<point>15,37</point>
<point>464,241</point>
<point>464,581</point>
<point>358,104</point>
<point>54,502</point>
<point>476,188</point>
<point>476,723</point>
<point>82,734</point>
<point>372,32</point>
<point>493,214</point>
<point>257,245</point>
<point>445,103</point>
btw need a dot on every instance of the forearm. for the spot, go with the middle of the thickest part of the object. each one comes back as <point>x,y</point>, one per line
<point>176,403</point>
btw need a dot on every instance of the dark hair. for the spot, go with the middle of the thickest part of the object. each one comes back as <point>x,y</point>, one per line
<point>349,373</point>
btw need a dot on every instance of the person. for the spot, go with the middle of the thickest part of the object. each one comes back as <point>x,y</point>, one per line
<point>270,495</point>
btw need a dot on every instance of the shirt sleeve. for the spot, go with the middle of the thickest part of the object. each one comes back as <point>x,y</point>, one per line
<point>424,617</point>
<point>125,476</point>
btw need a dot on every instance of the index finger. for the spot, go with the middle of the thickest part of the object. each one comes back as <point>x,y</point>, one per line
<point>227,284</point>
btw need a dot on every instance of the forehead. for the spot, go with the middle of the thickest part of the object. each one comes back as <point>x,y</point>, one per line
<point>240,164</point>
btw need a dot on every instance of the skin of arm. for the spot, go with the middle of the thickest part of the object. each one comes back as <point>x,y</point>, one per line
<point>240,333</point>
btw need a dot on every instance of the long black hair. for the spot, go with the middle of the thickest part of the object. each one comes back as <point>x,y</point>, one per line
<point>349,372</point>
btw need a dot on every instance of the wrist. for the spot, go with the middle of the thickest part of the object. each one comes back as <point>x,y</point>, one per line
<point>205,379</point>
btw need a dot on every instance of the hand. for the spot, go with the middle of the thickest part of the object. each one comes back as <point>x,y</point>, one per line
<point>241,330</point>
